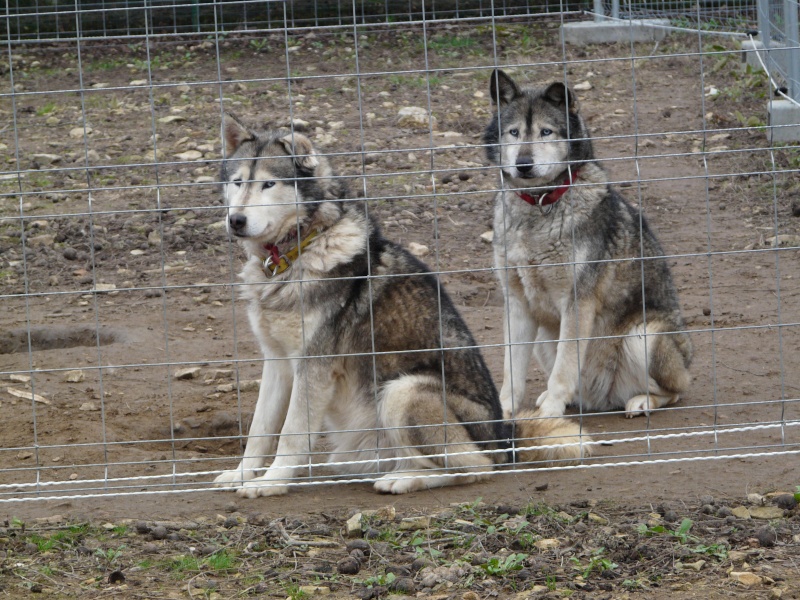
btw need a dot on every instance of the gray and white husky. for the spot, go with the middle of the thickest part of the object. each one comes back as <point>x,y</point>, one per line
<point>585,284</point>
<point>359,340</point>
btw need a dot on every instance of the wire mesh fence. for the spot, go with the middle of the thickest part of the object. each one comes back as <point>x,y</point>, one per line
<point>127,361</point>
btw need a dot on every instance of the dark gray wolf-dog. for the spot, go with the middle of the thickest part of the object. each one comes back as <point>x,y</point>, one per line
<point>359,341</point>
<point>585,286</point>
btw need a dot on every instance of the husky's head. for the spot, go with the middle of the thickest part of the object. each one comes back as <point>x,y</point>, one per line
<point>535,133</point>
<point>274,183</point>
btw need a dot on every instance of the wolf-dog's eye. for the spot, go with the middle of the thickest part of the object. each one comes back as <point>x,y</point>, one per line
<point>237,182</point>
<point>514,132</point>
<point>546,132</point>
<point>267,184</point>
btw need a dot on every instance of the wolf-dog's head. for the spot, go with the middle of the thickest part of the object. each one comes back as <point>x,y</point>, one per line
<point>536,132</point>
<point>275,184</point>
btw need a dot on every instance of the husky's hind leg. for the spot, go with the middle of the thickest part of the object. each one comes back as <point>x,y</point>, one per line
<point>436,450</point>
<point>664,364</point>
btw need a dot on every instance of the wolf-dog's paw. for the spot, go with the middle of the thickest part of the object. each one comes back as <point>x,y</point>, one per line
<point>639,405</point>
<point>549,405</point>
<point>262,486</point>
<point>234,478</point>
<point>400,483</point>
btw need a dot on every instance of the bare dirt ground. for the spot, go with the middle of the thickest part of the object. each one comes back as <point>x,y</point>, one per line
<point>143,261</point>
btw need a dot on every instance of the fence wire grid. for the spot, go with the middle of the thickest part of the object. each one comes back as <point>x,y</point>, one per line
<point>126,361</point>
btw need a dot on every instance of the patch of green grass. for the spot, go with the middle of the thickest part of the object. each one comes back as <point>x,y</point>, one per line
<point>109,555</point>
<point>797,493</point>
<point>221,561</point>
<point>183,564</point>
<point>383,580</point>
<point>453,44</point>
<point>406,81</point>
<point>597,563</point>
<point>46,109</point>
<point>500,567</point>
<point>293,592</point>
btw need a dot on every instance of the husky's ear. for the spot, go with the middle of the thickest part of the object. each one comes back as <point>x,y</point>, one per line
<point>300,147</point>
<point>234,133</point>
<point>560,95</point>
<point>502,88</point>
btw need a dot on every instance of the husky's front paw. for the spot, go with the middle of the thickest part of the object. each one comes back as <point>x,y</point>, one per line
<point>399,483</point>
<point>549,405</point>
<point>262,486</point>
<point>234,478</point>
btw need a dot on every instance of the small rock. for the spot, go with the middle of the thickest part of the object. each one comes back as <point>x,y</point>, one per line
<point>583,86</point>
<point>595,518</point>
<point>766,512</point>
<point>348,566</point>
<point>172,119</point>
<point>159,532</point>
<point>70,253</point>
<point>418,250</point>
<point>724,511</point>
<point>88,407</point>
<point>755,499</point>
<point>189,155</point>
<point>487,236</point>
<point>547,544</point>
<point>706,499</point>
<point>415,117</point>
<point>187,373</point>
<point>785,239</point>
<point>78,132</point>
<point>741,512</point>
<point>46,159</point>
<point>745,578</point>
<point>695,566</point>
<point>76,376</point>
<point>138,82</point>
<point>414,523</point>
<point>353,526</point>
<point>312,591</point>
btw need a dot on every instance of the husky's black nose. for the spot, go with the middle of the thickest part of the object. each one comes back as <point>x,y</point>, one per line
<point>237,222</point>
<point>524,164</point>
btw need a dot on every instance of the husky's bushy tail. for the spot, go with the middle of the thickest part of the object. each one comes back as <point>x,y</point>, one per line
<point>555,442</point>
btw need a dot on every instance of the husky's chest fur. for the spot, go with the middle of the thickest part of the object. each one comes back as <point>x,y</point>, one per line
<point>286,311</point>
<point>549,254</point>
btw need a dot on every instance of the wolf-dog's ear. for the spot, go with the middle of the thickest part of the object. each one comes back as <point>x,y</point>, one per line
<point>502,88</point>
<point>560,95</point>
<point>301,148</point>
<point>234,133</point>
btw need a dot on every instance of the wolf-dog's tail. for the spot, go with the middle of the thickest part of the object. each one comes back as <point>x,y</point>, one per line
<point>552,441</point>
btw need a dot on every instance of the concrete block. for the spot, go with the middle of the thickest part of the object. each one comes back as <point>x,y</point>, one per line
<point>776,57</point>
<point>609,32</point>
<point>784,121</point>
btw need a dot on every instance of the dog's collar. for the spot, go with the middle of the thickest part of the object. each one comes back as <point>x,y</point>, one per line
<point>553,196</point>
<point>276,263</point>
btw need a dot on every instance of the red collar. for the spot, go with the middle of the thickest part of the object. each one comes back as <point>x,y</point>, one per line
<point>552,196</point>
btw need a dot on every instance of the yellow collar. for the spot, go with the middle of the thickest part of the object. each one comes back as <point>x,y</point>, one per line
<point>277,263</point>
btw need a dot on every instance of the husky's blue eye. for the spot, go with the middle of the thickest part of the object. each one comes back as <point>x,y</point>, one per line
<point>267,185</point>
<point>546,132</point>
<point>514,132</point>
